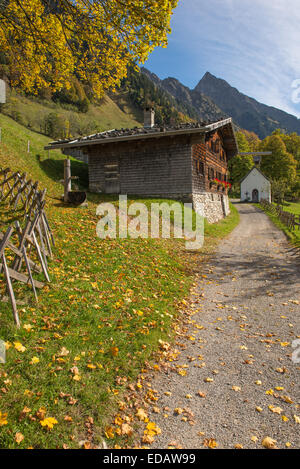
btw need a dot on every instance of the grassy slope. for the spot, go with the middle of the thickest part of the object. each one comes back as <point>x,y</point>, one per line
<point>108,305</point>
<point>108,115</point>
<point>293,207</point>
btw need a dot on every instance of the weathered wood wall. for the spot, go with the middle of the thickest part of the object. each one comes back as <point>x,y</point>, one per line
<point>209,163</point>
<point>181,167</point>
<point>156,167</point>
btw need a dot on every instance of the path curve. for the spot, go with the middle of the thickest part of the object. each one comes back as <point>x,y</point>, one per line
<point>251,316</point>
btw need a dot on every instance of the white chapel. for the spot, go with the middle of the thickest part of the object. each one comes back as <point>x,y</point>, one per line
<point>255,186</point>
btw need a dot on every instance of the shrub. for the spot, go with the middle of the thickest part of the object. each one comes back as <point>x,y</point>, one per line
<point>56,125</point>
<point>83,106</point>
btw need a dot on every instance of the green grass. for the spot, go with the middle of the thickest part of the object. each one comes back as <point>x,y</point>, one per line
<point>113,112</point>
<point>108,305</point>
<point>47,168</point>
<point>293,207</point>
<point>293,236</point>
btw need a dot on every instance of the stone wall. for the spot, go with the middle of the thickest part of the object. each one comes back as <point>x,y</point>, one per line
<point>214,207</point>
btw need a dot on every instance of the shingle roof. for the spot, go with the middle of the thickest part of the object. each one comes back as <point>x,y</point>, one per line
<point>142,133</point>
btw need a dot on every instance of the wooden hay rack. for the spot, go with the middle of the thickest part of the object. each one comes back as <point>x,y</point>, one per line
<point>29,240</point>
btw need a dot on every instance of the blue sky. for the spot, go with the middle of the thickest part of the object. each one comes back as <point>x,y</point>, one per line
<point>252,44</point>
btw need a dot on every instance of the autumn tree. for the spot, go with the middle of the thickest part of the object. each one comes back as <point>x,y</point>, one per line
<point>279,190</point>
<point>240,165</point>
<point>45,42</point>
<point>252,139</point>
<point>292,143</point>
<point>281,165</point>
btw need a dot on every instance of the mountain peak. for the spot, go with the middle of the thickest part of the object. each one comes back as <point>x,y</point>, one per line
<point>208,75</point>
<point>210,80</point>
<point>245,111</point>
<point>214,97</point>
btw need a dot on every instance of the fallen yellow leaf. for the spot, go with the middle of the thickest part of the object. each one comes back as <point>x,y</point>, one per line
<point>19,347</point>
<point>19,437</point>
<point>269,443</point>
<point>141,415</point>
<point>236,388</point>
<point>34,360</point>
<point>210,443</point>
<point>126,429</point>
<point>3,419</point>
<point>49,422</point>
<point>275,410</point>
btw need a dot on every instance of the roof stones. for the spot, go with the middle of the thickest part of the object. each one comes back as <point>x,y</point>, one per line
<point>135,131</point>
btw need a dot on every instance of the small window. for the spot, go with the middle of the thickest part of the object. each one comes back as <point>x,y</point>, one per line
<point>111,171</point>
<point>200,168</point>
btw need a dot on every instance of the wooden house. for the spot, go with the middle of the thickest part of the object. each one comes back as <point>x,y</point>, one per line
<point>186,162</point>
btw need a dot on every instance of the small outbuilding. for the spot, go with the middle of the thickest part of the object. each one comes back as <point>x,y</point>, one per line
<point>188,162</point>
<point>255,187</point>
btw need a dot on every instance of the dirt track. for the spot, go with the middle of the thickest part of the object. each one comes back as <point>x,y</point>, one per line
<point>251,316</point>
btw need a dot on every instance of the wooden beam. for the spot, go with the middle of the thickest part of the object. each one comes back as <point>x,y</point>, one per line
<point>21,277</point>
<point>11,292</point>
<point>255,153</point>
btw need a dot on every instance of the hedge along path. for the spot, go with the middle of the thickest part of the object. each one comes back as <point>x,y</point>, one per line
<point>29,240</point>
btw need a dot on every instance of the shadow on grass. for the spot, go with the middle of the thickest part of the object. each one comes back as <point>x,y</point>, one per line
<point>54,169</point>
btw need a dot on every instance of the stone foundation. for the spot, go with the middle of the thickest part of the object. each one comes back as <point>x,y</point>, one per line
<point>214,207</point>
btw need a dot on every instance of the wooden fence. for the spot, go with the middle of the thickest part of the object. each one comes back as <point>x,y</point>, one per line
<point>29,240</point>
<point>291,220</point>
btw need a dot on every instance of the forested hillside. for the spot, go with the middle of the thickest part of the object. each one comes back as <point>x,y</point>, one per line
<point>195,104</point>
<point>282,167</point>
<point>76,111</point>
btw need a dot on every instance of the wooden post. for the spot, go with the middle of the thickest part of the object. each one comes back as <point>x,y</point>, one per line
<point>3,245</point>
<point>67,178</point>
<point>10,291</point>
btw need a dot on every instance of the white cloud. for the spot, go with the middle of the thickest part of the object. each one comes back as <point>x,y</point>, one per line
<point>253,44</point>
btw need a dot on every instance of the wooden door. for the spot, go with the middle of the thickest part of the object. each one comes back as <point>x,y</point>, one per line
<point>112,179</point>
<point>255,195</point>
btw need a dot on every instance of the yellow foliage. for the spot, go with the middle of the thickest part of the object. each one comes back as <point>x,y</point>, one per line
<point>48,422</point>
<point>46,43</point>
<point>3,419</point>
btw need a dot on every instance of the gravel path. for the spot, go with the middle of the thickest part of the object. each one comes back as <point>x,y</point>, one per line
<point>237,348</point>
